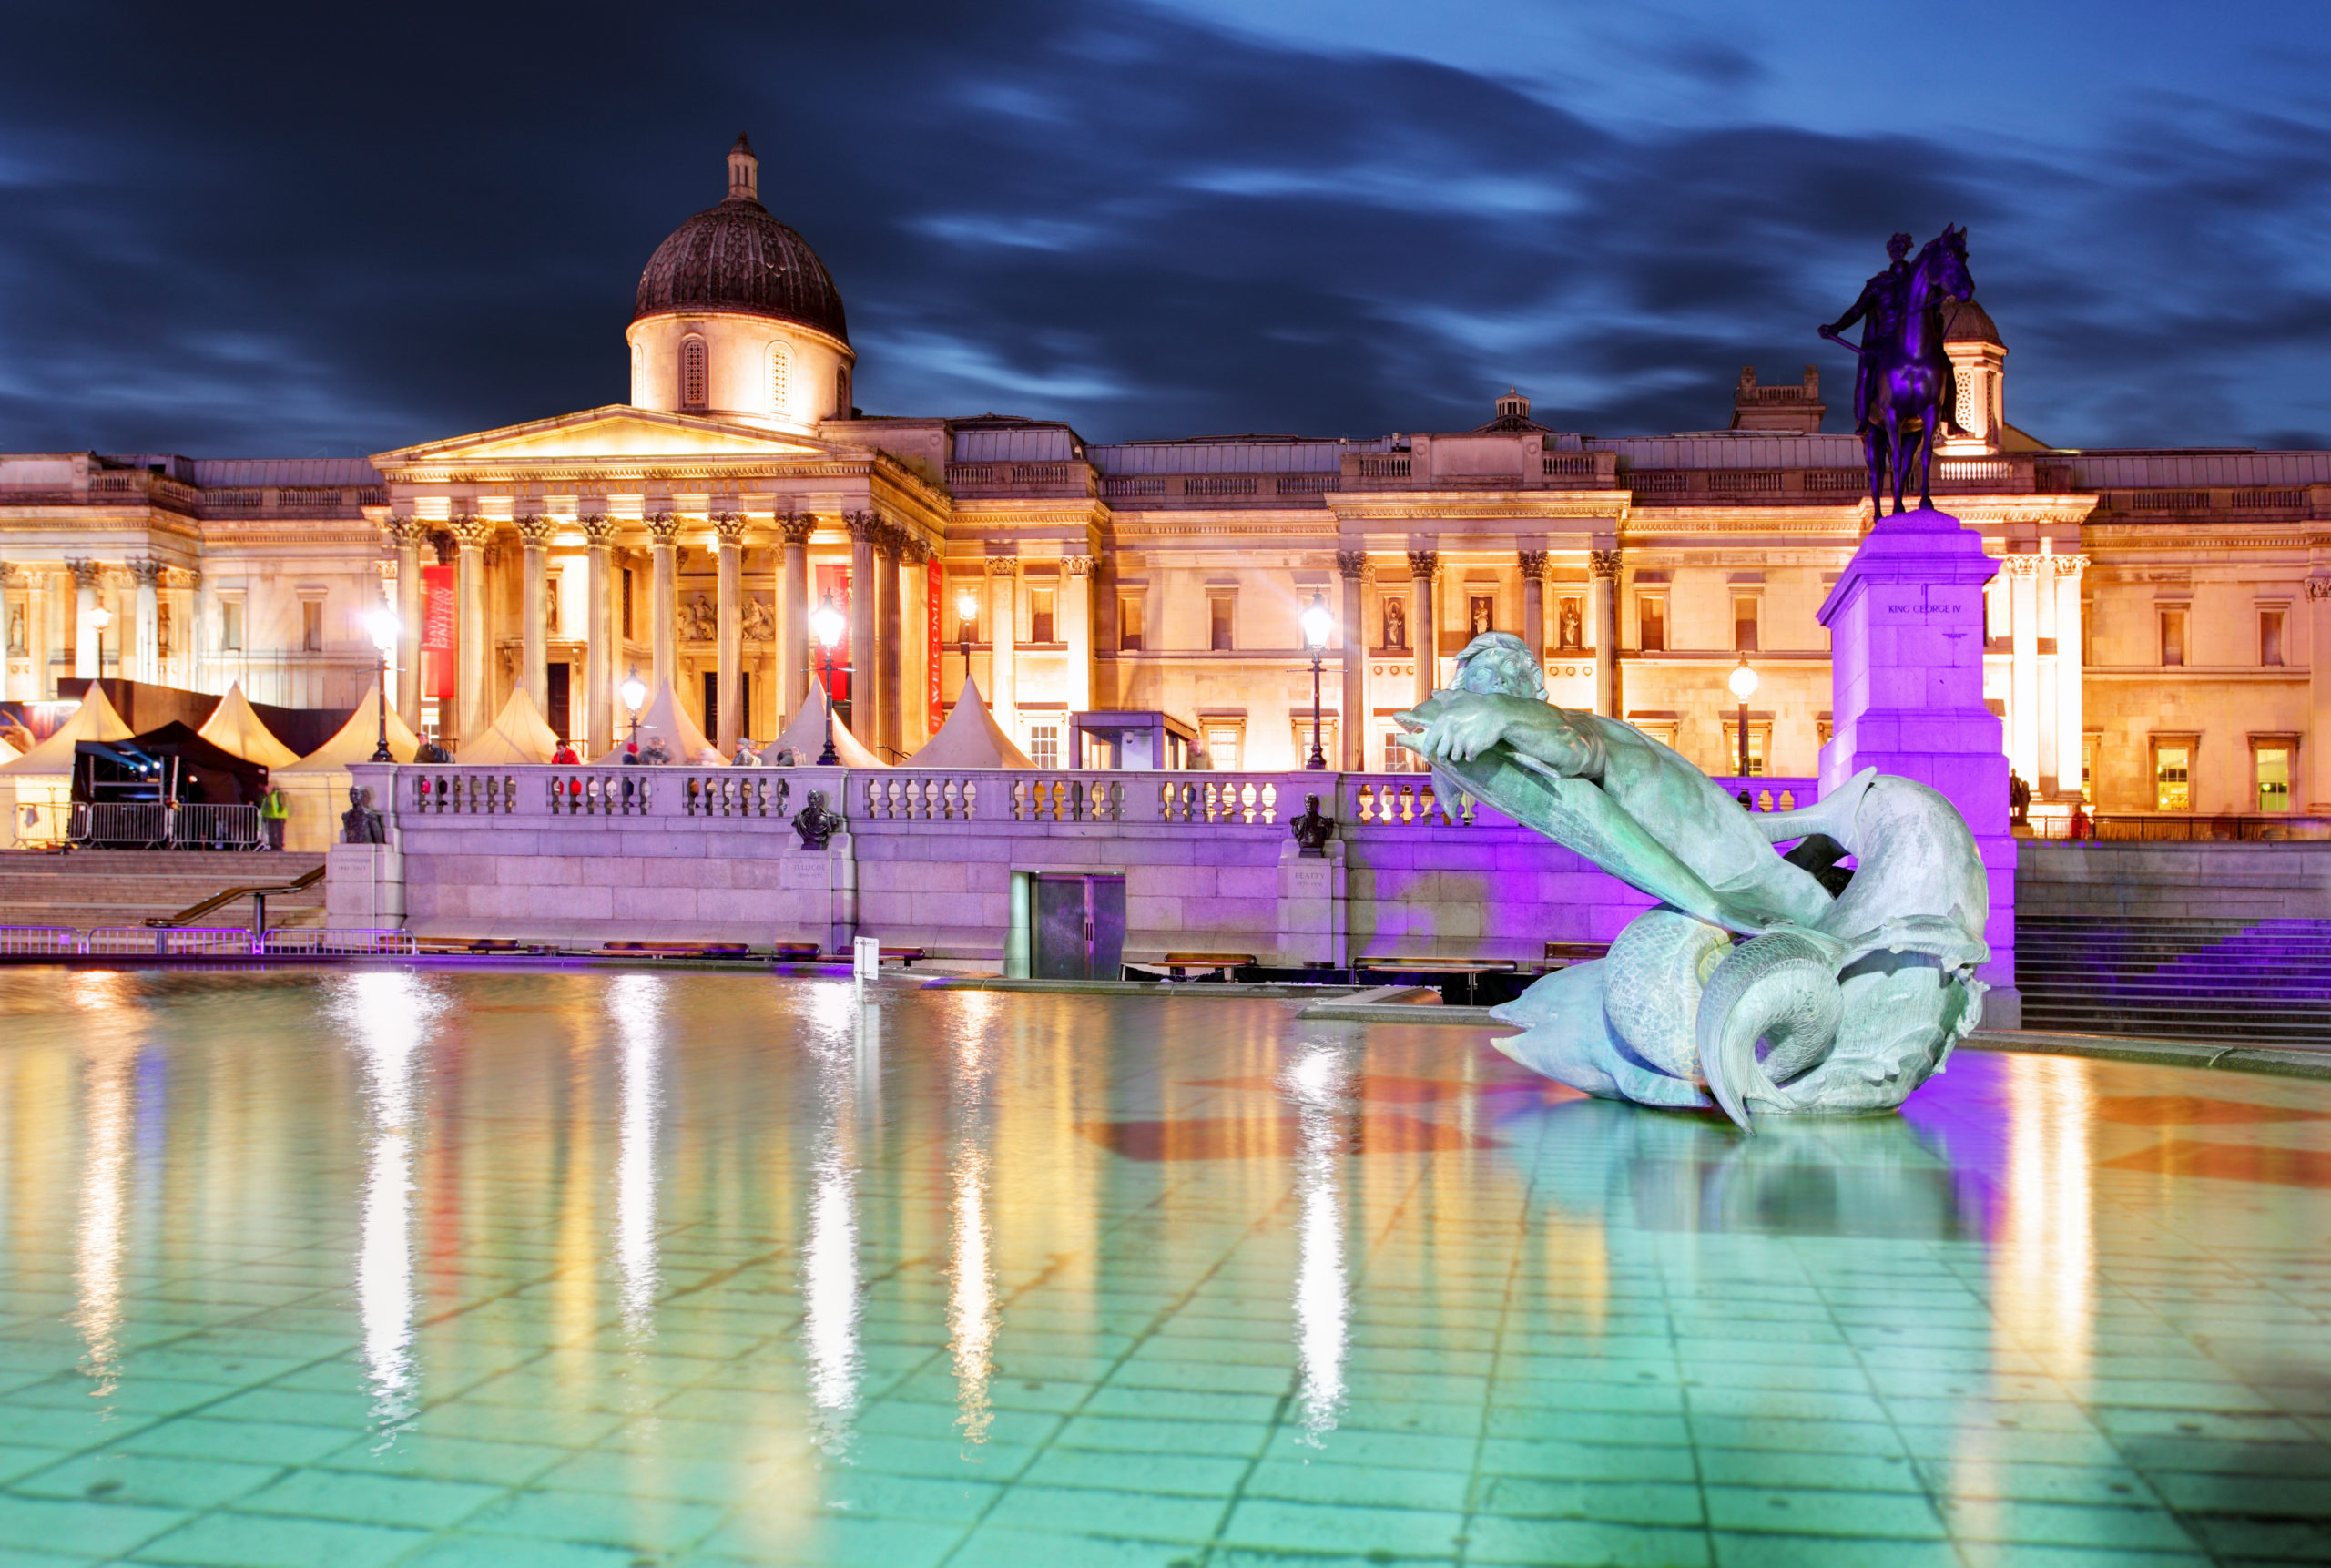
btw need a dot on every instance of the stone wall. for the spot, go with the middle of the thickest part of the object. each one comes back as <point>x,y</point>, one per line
<point>2223,879</point>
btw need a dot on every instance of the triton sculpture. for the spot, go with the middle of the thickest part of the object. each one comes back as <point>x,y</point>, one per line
<point>1753,981</point>
<point>1904,381</point>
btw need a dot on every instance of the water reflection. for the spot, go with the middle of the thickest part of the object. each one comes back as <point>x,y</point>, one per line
<point>388,1016</point>
<point>830,1290</point>
<point>970,1299</point>
<point>2044,1271</point>
<point>109,1079</point>
<point>638,1002</point>
<point>1318,1082</point>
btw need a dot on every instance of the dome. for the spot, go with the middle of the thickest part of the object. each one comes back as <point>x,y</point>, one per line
<point>736,256</point>
<point>1969,323</point>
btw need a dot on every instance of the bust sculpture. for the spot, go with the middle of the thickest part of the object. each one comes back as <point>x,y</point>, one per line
<point>1855,996</point>
<point>815,823</point>
<point>361,824</point>
<point>1312,829</point>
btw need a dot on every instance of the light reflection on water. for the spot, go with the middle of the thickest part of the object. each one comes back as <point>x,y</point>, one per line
<point>108,1074</point>
<point>388,1016</point>
<point>830,1291</point>
<point>1317,1083</point>
<point>638,1001</point>
<point>970,1299</point>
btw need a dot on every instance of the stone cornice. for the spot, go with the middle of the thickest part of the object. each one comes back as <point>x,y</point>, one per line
<point>1471,506</point>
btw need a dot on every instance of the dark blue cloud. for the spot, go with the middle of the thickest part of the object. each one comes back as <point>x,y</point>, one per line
<point>300,231</point>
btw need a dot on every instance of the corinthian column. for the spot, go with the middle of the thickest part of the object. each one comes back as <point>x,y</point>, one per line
<point>2023,686</point>
<point>470,536</point>
<point>728,529</point>
<point>147,661</point>
<point>2317,748</point>
<point>793,624</point>
<point>599,633</point>
<point>1533,604</point>
<point>887,638</point>
<point>534,644</point>
<point>406,533</point>
<point>865,703</point>
<point>1352,566</point>
<point>87,653</point>
<point>1424,634</point>
<point>2072,740</point>
<point>1076,607</point>
<point>663,586</point>
<point>1003,639</point>
<point>1603,604</point>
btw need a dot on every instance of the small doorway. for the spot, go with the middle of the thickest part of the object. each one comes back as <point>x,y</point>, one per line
<point>557,701</point>
<point>712,702</point>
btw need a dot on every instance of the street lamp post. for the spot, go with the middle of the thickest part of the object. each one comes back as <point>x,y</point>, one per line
<point>1743,681</point>
<point>967,615</point>
<point>1316,624</point>
<point>635,698</point>
<point>382,627</point>
<point>826,621</point>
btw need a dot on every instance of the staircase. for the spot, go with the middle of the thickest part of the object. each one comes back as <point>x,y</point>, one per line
<point>2255,981</point>
<point>91,888</point>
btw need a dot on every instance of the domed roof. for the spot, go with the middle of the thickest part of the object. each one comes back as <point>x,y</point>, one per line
<point>1971,323</point>
<point>736,256</point>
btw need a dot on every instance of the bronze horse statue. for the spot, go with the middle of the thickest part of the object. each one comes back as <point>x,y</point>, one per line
<point>1905,391</point>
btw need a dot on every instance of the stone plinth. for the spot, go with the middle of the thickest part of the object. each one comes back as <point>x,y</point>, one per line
<point>363,887</point>
<point>831,873</point>
<point>1313,922</point>
<point>1906,631</point>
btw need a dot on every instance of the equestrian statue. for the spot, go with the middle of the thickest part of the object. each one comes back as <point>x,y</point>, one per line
<point>1903,391</point>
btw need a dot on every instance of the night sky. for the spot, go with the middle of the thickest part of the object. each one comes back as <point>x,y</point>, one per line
<point>334,231</point>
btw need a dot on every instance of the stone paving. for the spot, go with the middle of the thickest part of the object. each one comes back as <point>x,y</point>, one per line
<point>638,1268</point>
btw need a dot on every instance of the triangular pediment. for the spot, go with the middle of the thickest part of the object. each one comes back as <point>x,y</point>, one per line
<point>615,430</point>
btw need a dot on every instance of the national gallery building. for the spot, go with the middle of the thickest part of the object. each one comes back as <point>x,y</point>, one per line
<point>2152,631</point>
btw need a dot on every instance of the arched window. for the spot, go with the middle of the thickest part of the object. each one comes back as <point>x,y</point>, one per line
<point>781,380</point>
<point>842,392</point>
<point>693,393</point>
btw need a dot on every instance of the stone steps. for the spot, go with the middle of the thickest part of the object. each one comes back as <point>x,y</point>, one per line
<point>92,888</point>
<point>2206,979</point>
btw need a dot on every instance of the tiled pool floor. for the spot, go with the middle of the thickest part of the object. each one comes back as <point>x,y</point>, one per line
<point>346,1269</point>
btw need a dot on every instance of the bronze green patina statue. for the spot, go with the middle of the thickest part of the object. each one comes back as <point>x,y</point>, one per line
<point>1751,982</point>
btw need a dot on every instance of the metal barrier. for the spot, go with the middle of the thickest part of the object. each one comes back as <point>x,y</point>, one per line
<point>153,826</point>
<point>304,941</point>
<point>40,941</point>
<point>170,942</point>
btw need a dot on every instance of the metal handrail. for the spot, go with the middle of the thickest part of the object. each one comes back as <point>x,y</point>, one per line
<point>257,895</point>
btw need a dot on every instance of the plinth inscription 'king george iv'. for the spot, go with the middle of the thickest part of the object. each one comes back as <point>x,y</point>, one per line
<point>1771,982</point>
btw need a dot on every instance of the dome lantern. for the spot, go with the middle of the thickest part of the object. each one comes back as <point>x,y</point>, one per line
<point>744,171</point>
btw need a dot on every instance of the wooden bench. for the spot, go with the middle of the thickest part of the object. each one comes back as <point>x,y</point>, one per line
<point>1473,969</point>
<point>795,951</point>
<point>905,956</point>
<point>680,949</point>
<point>1176,965</point>
<point>1563,954</point>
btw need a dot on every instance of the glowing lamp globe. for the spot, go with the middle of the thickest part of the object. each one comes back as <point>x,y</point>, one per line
<point>1743,681</point>
<point>827,622</point>
<point>967,606</point>
<point>1318,623</point>
<point>635,694</point>
<point>101,617</point>
<point>381,626</point>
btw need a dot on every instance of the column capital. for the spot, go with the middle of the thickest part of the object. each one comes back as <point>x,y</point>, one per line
<point>913,549</point>
<point>534,530</point>
<point>1604,563</point>
<point>147,572</point>
<point>865,527</point>
<point>1351,564</point>
<point>407,533</point>
<point>890,541</point>
<point>1077,565</point>
<point>598,529</point>
<point>1002,566</point>
<point>2318,587</point>
<point>797,527</point>
<point>1533,563</point>
<point>730,528</point>
<point>2069,566</point>
<point>662,529</point>
<point>1424,563</point>
<point>86,573</point>
<point>470,532</point>
<point>2020,565</point>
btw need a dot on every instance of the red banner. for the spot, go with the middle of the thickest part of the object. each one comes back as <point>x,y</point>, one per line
<point>439,631</point>
<point>932,588</point>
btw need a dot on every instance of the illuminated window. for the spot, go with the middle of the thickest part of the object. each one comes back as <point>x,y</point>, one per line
<point>694,376</point>
<point>1327,739</point>
<point>1651,621</point>
<point>2088,770</point>
<point>1744,626</point>
<point>2273,765</point>
<point>1129,625</point>
<point>1398,758</point>
<point>1218,617</point>
<point>1222,746</point>
<point>2173,637</point>
<point>781,380</point>
<point>1043,745</point>
<point>230,626</point>
<point>2173,776</point>
<point>1040,615</point>
<point>2270,639</point>
<point>1760,735</point>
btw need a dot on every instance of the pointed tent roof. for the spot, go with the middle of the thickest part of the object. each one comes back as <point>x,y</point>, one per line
<point>807,734</point>
<point>359,739</point>
<point>9,753</point>
<point>95,719</point>
<point>234,729</point>
<point>664,716</point>
<point>517,735</point>
<point>970,738</point>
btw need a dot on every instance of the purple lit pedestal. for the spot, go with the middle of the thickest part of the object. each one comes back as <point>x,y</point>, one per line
<point>1906,632</point>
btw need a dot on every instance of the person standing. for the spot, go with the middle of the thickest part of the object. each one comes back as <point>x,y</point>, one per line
<point>274,811</point>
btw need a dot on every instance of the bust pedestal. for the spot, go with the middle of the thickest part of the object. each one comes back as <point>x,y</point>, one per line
<point>1906,632</point>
